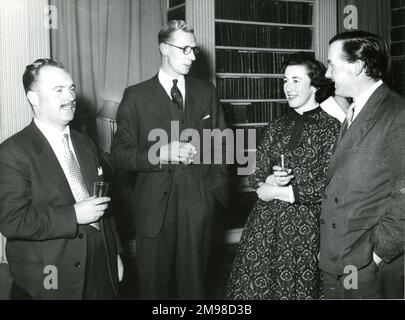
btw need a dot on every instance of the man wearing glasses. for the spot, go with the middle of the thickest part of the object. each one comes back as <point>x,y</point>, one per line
<point>173,198</point>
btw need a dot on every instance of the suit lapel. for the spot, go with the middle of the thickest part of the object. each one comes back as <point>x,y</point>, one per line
<point>50,163</point>
<point>358,129</point>
<point>161,101</point>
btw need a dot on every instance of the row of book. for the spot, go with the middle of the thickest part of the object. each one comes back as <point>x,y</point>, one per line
<point>254,112</point>
<point>238,61</point>
<point>265,11</point>
<point>398,34</point>
<point>244,35</point>
<point>396,4</point>
<point>252,139</point>
<point>250,88</point>
<point>398,18</point>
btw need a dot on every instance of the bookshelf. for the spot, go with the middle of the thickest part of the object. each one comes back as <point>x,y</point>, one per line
<point>253,38</point>
<point>398,44</point>
<point>243,45</point>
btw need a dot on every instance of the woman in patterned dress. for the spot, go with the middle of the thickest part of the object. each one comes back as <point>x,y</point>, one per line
<point>277,257</point>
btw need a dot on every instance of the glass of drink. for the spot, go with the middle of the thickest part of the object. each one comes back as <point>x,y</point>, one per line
<point>100,189</point>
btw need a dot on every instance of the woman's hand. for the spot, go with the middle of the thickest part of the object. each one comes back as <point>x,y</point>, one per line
<point>265,192</point>
<point>270,180</point>
<point>281,178</point>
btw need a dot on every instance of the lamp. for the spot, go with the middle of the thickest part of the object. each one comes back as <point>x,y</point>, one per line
<point>108,112</point>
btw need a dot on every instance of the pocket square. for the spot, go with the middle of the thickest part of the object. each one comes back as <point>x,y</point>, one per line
<point>206,117</point>
<point>100,171</point>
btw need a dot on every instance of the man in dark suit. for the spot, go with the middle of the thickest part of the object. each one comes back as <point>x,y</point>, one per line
<point>62,243</point>
<point>174,195</point>
<point>363,211</point>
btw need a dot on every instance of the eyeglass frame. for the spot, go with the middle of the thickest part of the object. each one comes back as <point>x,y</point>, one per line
<point>195,50</point>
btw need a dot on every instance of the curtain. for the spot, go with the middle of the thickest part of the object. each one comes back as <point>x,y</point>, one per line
<point>106,45</point>
<point>373,16</point>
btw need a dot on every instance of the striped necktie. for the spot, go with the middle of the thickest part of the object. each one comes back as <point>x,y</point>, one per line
<point>78,186</point>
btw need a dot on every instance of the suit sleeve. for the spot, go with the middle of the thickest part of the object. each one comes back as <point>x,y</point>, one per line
<point>110,217</point>
<point>20,217</point>
<point>126,152</point>
<point>388,236</point>
<point>218,179</point>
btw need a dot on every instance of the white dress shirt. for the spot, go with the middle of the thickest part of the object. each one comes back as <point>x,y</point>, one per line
<point>362,99</point>
<point>167,82</point>
<point>55,139</point>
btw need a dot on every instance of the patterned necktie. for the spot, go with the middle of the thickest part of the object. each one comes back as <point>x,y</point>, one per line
<point>346,124</point>
<point>176,95</point>
<point>349,115</point>
<point>78,186</point>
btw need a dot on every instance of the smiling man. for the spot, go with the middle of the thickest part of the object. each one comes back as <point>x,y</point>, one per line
<point>61,244</point>
<point>363,208</point>
<point>174,200</point>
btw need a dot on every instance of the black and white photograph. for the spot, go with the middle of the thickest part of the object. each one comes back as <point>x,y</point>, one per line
<point>211,152</point>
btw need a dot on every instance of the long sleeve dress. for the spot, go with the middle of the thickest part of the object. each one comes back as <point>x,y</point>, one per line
<point>277,253</point>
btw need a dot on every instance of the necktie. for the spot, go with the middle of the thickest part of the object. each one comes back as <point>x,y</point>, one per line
<point>349,115</point>
<point>346,124</point>
<point>78,186</point>
<point>176,95</point>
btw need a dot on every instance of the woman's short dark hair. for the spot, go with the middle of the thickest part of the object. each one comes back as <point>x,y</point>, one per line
<point>367,47</point>
<point>172,26</point>
<point>316,73</point>
<point>31,72</point>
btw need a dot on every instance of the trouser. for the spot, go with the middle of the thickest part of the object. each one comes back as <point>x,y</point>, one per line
<point>173,265</point>
<point>371,282</point>
<point>97,284</point>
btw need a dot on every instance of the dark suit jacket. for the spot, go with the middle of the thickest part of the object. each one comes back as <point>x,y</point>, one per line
<point>38,218</point>
<point>145,107</point>
<point>364,202</point>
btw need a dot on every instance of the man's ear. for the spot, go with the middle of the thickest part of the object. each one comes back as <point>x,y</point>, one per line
<point>358,67</point>
<point>33,99</point>
<point>163,49</point>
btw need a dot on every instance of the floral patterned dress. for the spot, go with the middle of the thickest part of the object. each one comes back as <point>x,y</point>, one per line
<point>277,253</point>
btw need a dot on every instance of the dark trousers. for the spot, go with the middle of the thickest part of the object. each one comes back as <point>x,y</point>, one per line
<point>97,284</point>
<point>174,264</point>
<point>18,293</point>
<point>383,282</point>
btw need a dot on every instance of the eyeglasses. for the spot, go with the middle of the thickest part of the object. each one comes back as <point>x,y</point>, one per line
<point>186,50</point>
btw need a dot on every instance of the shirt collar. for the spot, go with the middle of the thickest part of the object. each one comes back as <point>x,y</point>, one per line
<point>166,78</point>
<point>362,99</point>
<point>50,133</point>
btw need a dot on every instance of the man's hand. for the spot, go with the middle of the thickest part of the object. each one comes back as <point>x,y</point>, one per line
<point>120,268</point>
<point>91,209</point>
<point>177,151</point>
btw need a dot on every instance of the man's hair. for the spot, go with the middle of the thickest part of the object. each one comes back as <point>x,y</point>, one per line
<point>172,26</point>
<point>316,73</point>
<point>31,72</point>
<point>367,47</point>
